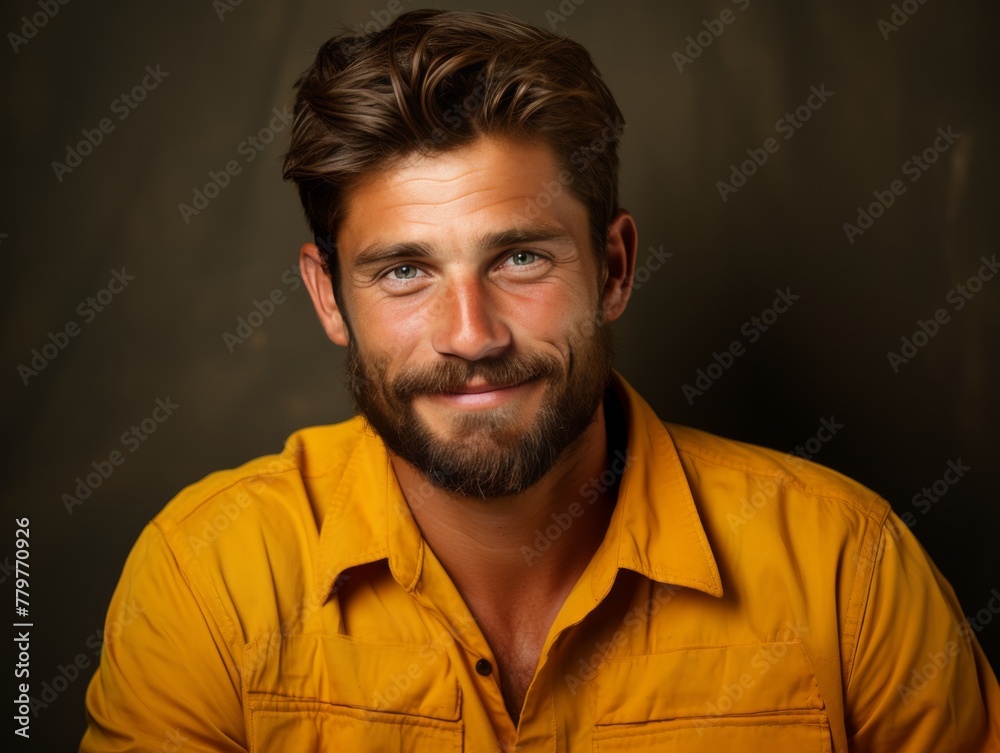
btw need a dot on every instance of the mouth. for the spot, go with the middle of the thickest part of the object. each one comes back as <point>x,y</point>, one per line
<point>479,387</point>
<point>481,394</point>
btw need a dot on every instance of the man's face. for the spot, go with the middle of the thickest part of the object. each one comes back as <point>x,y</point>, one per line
<point>477,344</point>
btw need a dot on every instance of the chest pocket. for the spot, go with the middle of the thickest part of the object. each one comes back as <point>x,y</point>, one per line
<point>760,698</point>
<point>333,693</point>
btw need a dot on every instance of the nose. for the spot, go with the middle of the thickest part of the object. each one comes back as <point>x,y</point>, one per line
<point>466,322</point>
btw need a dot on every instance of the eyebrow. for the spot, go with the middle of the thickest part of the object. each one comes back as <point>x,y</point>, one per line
<point>379,253</point>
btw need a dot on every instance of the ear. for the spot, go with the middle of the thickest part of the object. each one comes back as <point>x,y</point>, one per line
<point>320,288</point>
<point>620,252</point>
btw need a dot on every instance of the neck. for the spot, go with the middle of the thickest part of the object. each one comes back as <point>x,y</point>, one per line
<point>531,546</point>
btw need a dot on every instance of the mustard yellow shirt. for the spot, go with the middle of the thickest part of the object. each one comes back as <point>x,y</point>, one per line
<point>742,600</point>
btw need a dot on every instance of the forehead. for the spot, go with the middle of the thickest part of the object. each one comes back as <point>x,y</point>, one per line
<point>493,184</point>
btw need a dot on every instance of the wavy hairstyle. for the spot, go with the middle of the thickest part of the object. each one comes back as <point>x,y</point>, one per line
<point>436,80</point>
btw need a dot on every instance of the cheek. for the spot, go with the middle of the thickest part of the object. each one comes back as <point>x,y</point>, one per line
<point>563,322</point>
<point>390,329</point>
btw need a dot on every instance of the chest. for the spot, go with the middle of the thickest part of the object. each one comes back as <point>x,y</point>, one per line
<point>638,677</point>
<point>517,653</point>
<point>369,696</point>
<point>515,674</point>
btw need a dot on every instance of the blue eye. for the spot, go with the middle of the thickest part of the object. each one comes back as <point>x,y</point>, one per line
<point>523,258</point>
<point>404,272</point>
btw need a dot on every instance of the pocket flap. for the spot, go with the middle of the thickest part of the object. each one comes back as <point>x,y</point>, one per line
<point>339,670</point>
<point>699,682</point>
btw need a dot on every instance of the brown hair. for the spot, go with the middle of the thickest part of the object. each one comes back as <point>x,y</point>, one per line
<point>435,80</point>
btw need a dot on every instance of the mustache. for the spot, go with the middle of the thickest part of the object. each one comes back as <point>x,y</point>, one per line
<point>452,375</point>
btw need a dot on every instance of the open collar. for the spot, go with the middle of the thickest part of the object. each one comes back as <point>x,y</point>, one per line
<point>654,530</point>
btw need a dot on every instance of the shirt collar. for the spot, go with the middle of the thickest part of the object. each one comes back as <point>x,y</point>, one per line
<point>654,530</point>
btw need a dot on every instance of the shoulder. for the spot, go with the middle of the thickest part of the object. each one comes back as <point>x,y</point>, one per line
<point>276,483</point>
<point>761,506</point>
<point>239,534</point>
<point>713,462</point>
<point>775,518</point>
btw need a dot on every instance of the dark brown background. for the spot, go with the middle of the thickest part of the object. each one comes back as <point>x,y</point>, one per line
<point>163,336</point>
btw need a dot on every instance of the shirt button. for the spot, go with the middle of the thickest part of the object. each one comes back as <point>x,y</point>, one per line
<point>484,668</point>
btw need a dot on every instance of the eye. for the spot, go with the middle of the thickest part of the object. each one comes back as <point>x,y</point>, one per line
<point>523,258</point>
<point>404,272</point>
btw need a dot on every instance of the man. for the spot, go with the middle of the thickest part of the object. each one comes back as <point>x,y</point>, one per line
<point>508,549</point>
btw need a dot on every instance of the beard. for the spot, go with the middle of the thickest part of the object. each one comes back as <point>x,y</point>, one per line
<point>491,452</point>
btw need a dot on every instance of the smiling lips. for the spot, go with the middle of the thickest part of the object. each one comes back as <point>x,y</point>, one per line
<point>481,394</point>
<point>475,389</point>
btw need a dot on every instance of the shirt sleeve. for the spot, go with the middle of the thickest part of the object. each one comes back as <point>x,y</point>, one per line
<point>167,679</point>
<point>920,680</point>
